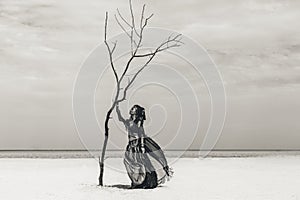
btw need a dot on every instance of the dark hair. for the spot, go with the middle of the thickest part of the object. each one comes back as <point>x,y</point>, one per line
<point>138,111</point>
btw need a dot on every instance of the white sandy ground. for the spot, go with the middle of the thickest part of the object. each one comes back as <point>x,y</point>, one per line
<point>211,178</point>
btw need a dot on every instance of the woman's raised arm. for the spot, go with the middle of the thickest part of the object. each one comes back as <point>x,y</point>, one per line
<point>120,117</point>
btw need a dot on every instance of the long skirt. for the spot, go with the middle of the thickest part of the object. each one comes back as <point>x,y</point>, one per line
<point>146,169</point>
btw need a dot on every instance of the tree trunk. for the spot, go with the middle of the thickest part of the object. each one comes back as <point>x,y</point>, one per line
<point>101,161</point>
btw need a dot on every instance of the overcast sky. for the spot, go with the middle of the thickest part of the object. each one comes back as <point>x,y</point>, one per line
<point>255,44</point>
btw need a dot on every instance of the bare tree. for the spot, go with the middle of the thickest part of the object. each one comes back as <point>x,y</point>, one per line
<point>135,32</point>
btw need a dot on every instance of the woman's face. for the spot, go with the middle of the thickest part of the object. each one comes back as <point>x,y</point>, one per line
<point>133,111</point>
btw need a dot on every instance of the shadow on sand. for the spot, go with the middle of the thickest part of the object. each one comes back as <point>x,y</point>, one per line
<point>126,187</point>
<point>120,186</point>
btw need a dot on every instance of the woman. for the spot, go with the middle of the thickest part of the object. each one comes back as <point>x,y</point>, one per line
<point>144,160</point>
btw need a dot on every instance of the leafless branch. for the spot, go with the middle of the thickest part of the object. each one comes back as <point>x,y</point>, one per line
<point>114,47</point>
<point>123,19</point>
<point>176,40</point>
<point>147,19</point>
<point>132,18</point>
<point>121,26</point>
<point>110,52</point>
<point>160,48</point>
<point>168,44</point>
<point>124,30</point>
<point>142,16</point>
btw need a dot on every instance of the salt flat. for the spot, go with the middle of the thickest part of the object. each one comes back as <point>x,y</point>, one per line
<point>276,177</point>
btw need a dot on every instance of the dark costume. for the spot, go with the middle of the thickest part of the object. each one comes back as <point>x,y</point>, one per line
<point>144,160</point>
